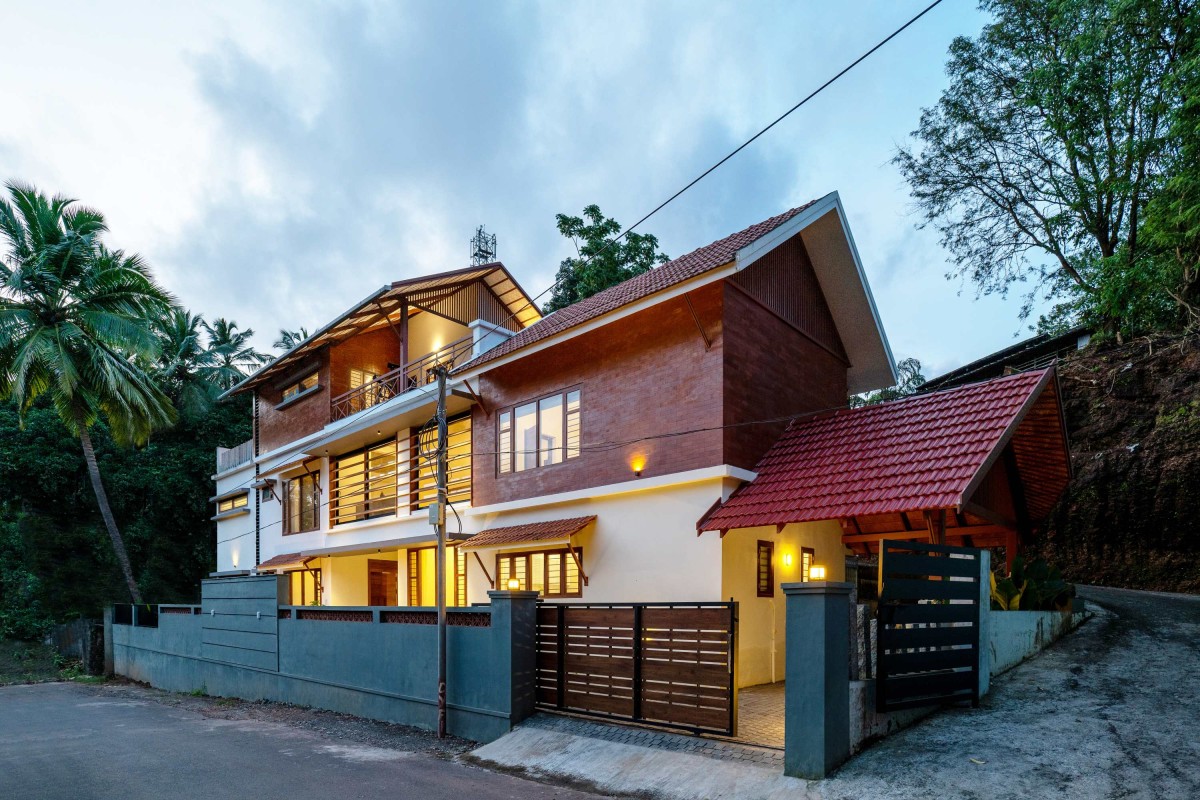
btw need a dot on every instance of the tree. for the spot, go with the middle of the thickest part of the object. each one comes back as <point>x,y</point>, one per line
<point>187,370</point>
<point>910,378</point>
<point>75,322</point>
<point>1037,163</point>
<point>236,357</point>
<point>289,339</point>
<point>599,263</point>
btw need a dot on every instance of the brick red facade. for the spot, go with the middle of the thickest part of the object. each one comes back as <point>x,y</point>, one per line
<point>645,375</point>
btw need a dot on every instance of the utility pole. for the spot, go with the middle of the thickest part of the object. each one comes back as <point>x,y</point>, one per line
<point>438,518</point>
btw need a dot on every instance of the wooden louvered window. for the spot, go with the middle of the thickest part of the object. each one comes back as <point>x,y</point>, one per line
<point>422,577</point>
<point>423,470</point>
<point>364,484</point>
<point>807,554</point>
<point>766,569</point>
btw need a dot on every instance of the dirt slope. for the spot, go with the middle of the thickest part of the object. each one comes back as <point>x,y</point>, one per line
<point>1131,516</point>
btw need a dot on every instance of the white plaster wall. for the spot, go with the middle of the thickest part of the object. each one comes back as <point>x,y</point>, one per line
<point>235,535</point>
<point>643,547</point>
<point>762,620</point>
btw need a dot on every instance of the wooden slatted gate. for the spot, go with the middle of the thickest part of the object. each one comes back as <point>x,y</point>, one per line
<point>928,632</point>
<point>670,664</point>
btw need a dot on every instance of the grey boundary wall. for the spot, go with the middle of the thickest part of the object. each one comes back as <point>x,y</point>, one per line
<point>241,641</point>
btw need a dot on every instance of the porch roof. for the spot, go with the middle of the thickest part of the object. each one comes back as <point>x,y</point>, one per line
<point>925,452</point>
<point>552,530</point>
<point>283,561</point>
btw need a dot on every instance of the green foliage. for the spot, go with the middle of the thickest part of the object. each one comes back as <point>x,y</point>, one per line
<point>235,356</point>
<point>1041,163</point>
<point>1035,586</point>
<point>289,339</point>
<point>610,263</point>
<point>910,379</point>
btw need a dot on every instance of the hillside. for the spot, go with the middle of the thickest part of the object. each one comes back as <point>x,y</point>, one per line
<point>1131,514</point>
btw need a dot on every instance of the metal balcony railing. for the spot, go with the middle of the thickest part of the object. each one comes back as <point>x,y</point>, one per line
<point>395,383</point>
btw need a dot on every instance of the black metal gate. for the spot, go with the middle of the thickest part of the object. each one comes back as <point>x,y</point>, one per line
<point>669,664</point>
<point>928,634</point>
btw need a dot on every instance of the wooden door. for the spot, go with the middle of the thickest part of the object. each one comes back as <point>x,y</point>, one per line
<point>383,583</point>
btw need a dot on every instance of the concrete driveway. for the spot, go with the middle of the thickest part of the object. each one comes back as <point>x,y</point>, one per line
<point>1111,711</point>
<point>79,742</point>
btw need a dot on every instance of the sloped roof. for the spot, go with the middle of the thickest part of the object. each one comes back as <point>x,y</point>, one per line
<point>922,452</point>
<point>558,529</point>
<point>677,271</point>
<point>283,561</point>
<point>387,300</point>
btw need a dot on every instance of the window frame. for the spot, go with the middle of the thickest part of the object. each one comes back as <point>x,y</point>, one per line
<point>318,588</point>
<point>367,513</point>
<point>285,400</point>
<point>457,598</point>
<point>506,432</point>
<point>234,505</point>
<point>563,552</point>
<point>460,480</point>
<point>808,557</point>
<point>287,513</point>
<point>769,547</point>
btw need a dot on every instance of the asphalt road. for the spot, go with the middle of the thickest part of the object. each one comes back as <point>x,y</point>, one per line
<point>1111,711</point>
<point>78,742</point>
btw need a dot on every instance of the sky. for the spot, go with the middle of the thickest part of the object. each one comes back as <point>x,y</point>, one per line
<point>277,162</point>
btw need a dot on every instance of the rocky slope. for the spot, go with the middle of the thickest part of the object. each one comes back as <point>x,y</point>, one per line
<point>1131,516</point>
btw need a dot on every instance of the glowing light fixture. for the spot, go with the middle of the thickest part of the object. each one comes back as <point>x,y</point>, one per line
<point>637,464</point>
<point>787,559</point>
<point>513,584</point>
<point>816,573</point>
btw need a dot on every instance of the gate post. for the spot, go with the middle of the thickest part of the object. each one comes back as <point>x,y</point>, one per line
<point>514,628</point>
<point>983,624</point>
<point>817,694</point>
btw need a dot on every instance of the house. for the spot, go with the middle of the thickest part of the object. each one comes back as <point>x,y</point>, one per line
<point>584,446</point>
<point>1036,352</point>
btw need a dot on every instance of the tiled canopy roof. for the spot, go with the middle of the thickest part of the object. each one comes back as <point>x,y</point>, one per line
<point>282,561</point>
<point>693,264</point>
<point>914,454</point>
<point>557,529</point>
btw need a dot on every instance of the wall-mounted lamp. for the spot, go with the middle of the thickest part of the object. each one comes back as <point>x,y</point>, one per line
<point>637,464</point>
<point>513,584</point>
<point>816,573</point>
<point>787,559</point>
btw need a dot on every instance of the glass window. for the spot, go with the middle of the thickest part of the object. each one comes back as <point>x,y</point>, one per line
<point>766,569</point>
<point>550,430</point>
<point>553,573</point>
<point>526,437</point>
<point>231,503</point>
<point>305,587</point>
<point>806,561</point>
<point>423,465</point>
<point>422,577</point>
<point>504,442</point>
<point>302,499</point>
<point>364,484</point>
<point>539,433</point>
<point>300,387</point>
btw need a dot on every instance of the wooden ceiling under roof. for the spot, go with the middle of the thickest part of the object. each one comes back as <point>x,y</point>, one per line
<point>501,301</point>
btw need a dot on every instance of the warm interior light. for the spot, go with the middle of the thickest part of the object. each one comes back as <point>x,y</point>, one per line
<point>513,584</point>
<point>787,559</point>
<point>816,573</point>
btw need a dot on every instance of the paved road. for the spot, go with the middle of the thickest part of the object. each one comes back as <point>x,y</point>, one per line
<point>1112,711</point>
<point>78,742</point>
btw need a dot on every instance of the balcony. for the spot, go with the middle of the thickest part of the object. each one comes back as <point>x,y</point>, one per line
<point>230,457</point>
<point>399,381</point>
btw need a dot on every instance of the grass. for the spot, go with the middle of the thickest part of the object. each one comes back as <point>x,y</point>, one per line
<point>33,662</point>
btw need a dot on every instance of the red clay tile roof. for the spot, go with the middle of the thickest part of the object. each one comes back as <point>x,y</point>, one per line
<point>530,532</point>
<point>281,561</point>
<point>913,454</point>
<point>695,263</point>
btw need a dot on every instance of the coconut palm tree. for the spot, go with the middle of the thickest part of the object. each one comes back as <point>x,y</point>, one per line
<point>236,356</point>
<point>289,339</point>
<point>75,322</point>
<point>187,370</point>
